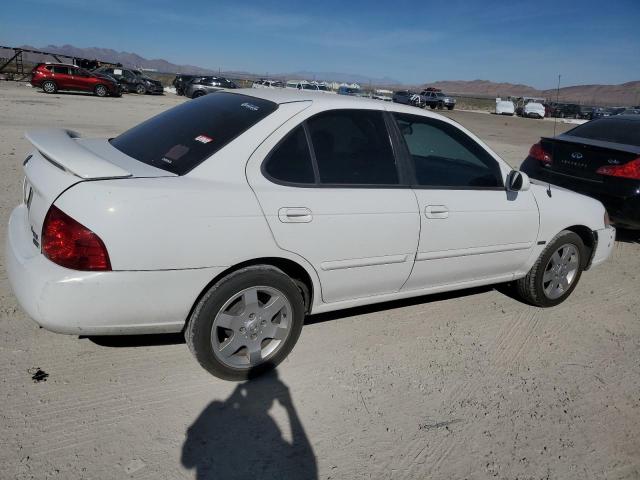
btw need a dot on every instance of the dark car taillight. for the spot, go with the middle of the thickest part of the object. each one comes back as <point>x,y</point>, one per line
<point>538,153</point>
<point>628,170</point>
<point>72,245</point>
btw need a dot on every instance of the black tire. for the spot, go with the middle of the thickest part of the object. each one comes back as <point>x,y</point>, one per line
<point>198,94</point>
<point>49,86</point>
<point>531,289</point>
<point>433,106</point>
<point>141,89</point>
<point>450,107</point>
<point>199,327</point>
<point>101,91</point>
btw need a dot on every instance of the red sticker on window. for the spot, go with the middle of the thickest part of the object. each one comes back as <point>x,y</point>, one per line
<point>203,139</point>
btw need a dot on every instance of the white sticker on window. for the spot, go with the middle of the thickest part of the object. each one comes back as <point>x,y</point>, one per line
<point>117,71</point>
<point>250,106</point>
<point>203,139</point>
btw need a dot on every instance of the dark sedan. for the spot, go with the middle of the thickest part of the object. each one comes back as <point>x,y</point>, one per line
<point>601,159</point>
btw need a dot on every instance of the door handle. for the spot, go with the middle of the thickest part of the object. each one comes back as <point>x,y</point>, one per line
<point>295,215</point>
<point>436,211</point>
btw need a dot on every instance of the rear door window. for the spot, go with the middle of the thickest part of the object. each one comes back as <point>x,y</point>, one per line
<point>61,70</point>
<point>353,147</point>
<point>183,137</point>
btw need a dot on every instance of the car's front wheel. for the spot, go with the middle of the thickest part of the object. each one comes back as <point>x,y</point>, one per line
<point>141,89</point>
<point>556,272</point>
<point>49,87</point>
<point>450,107</point>
<point>246,323</point>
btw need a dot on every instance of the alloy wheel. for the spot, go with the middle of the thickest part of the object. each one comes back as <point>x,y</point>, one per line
<point>251,327</point>
<point>560,271</point>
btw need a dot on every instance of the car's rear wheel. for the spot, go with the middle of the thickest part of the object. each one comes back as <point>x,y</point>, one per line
<point>450,107</point>
<point>246,323</point>
<point>197,94</point>
<point>556,272</point>
<point>101,91</point>
<point>49,87</point>
<point>141,89</point>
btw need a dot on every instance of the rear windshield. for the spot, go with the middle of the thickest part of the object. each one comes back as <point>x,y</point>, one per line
<point>616,130</point>
<point>183,137</point>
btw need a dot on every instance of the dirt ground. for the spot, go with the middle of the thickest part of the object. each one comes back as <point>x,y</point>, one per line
<point>472,384</point>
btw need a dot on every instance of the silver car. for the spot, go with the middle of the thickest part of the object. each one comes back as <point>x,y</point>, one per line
<point>200,86</point>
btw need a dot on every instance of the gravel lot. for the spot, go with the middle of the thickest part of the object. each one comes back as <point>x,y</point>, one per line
<point>469,385</point>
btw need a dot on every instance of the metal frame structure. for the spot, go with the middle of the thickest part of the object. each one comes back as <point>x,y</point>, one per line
<point>18,60</point>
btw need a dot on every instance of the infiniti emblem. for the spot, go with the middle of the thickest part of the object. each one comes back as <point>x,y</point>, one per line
<point>576,155</point>
<point>613,161</point>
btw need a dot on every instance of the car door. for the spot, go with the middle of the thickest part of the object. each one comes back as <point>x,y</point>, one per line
<point>332,192</point>
<point>81,79</point>
<point>63,78</point>
<point>472,228</point>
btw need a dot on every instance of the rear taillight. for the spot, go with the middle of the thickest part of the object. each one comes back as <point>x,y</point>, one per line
<point>71,244</point>
<point>537,152</point>
<point>628,170</point>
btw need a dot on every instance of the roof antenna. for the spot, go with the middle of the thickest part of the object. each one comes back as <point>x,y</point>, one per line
<point>555,123</point>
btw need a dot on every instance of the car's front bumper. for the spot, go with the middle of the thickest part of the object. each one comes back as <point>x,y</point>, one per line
<point>97,303</point>
<point>604,248</point>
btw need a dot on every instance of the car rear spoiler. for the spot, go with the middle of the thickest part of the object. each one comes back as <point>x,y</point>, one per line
<point>60,147</point>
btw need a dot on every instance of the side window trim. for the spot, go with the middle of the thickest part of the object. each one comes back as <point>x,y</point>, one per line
<point>312,153</point>
<point>403,149</point>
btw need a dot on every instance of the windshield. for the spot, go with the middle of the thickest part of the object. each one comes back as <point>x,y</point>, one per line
<point>181,138</point>
<point>612,129</point>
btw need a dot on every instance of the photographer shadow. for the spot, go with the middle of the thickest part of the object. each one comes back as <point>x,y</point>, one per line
<point>238,439</point>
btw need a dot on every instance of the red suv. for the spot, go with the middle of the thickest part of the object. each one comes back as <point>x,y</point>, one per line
<point>59,76</point>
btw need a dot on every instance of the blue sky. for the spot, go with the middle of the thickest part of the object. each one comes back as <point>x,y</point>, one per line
<point>528,42</point>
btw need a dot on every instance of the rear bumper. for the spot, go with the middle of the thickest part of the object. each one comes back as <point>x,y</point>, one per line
<point>620,197</point>
<point>97,303</point>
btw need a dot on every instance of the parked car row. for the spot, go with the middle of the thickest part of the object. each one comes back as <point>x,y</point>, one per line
<point>429,97</point>
<point>539,108</point>
<point>103,81</point>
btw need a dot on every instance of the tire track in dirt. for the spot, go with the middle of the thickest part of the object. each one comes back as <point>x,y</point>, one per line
<point>425,455</point>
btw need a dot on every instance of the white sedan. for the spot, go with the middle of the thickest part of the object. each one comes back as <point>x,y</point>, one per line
<point>233,216</point>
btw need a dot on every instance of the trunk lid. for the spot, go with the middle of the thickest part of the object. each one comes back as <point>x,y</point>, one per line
<point>61,160</point>
<point>582,157</point>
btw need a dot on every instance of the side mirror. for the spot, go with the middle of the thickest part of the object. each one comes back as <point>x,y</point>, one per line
<point>518,181</point>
